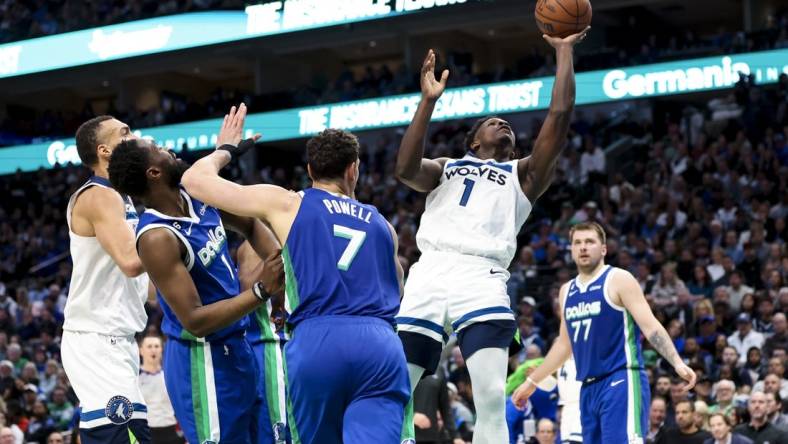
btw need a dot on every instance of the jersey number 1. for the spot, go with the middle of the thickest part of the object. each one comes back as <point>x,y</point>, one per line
<point>356,238</point>
<point>466,194</point>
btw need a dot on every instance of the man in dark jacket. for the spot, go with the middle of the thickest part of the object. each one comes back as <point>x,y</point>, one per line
<point>430,398</point>
<point>759,430</point>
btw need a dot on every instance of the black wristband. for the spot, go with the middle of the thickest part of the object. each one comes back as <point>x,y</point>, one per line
<point>235,151</point>
<point>258,289</point>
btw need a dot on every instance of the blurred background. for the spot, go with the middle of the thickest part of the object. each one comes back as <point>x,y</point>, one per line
<point>677,147</point>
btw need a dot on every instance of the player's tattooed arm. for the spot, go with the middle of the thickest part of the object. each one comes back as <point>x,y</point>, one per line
<point>536,171</point>
<point>627,292</point>
<point>412,168</point>
<point>662,343</point>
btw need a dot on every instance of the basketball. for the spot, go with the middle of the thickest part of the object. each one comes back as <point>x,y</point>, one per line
<point>562,18</point>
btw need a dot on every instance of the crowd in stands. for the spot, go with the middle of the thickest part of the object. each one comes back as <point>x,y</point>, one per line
<point>22,123</point>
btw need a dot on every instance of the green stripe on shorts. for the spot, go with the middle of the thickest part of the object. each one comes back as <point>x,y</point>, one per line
<point>199,391</point>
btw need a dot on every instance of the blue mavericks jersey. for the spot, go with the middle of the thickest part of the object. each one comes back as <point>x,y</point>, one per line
<point>339,260</point>
<point>604,337</point>
<point>207,259</point>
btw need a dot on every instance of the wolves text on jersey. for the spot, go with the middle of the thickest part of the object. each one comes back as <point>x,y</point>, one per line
<point>483,172</point>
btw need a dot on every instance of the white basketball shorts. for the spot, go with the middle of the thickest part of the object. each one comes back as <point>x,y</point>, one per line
<point>446,292</point>
<point>104,372</point>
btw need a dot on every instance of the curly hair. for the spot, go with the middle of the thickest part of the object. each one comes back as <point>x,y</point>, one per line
<point>87,139</point>
<point>470,136</point>
<point>330,152</point>
<point>127,167</point>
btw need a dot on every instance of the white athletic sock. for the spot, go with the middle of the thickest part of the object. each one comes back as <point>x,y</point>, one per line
<point>487,368</point>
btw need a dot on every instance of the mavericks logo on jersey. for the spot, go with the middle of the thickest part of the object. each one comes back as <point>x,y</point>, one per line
<point>483,172</point>
<point>583,310</point>
<point>216,239</point>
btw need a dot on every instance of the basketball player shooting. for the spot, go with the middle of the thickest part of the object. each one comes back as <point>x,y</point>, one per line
<point>603,312</point>
<point>468,235</point>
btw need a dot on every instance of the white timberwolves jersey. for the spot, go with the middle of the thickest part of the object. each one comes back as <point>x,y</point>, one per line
<point>569,398</point>
<point>477,209</point>
<point>101,298</point>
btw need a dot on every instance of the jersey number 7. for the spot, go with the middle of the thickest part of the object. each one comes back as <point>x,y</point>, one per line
<point>356,238</point>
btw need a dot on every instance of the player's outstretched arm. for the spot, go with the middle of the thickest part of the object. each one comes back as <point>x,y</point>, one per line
<point>558,354</point>
<point>412,168</point>
<point>627,290</point>
<point>536,171</point>
<point>105,210</point>
<point>161,254</point>
<point>202,179</point>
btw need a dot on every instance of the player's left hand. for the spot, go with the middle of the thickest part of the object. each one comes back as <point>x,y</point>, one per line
<point>686,374</point>
<point>523,392</point>
<point>273,275</point>
<point>571,40</point>
<point>231,132</point>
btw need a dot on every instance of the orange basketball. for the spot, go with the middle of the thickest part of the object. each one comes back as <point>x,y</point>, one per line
<point>562,18</point>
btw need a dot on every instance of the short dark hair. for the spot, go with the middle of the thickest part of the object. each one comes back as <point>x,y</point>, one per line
<point>127,167</point>
<point>87,139</point>
<point>470,136</point>
<point>687,401</point>
<point>330,152</point>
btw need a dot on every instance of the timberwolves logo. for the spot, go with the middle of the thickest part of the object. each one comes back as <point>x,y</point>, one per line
<point>119,410</point>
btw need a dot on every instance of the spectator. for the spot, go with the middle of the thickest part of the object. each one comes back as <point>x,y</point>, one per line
<point>6,436</point>
<point>656,419</point>
<point>724,397</point>
<point>720,427</point>
<point>545,431</point>
<point>41,425</point>
<point>55,438</point>
<point>18,434</point>
<point>763,323</point>
<point>701,415</point>
<point>772,383</point>
<point>745,337</point>
<point>61,411</point>
<point>686,430</point>
<point>737,289</point>
<point>759,430</point>
<point>668,286</point>
<point>774,409</point>
<point>753,367</point>
<point>779,337</point>
<point>431,399</point>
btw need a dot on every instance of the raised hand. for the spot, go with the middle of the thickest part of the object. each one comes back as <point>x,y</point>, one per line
<point>570,41</point>
<point>431,88</point>
<point>231,132</point>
